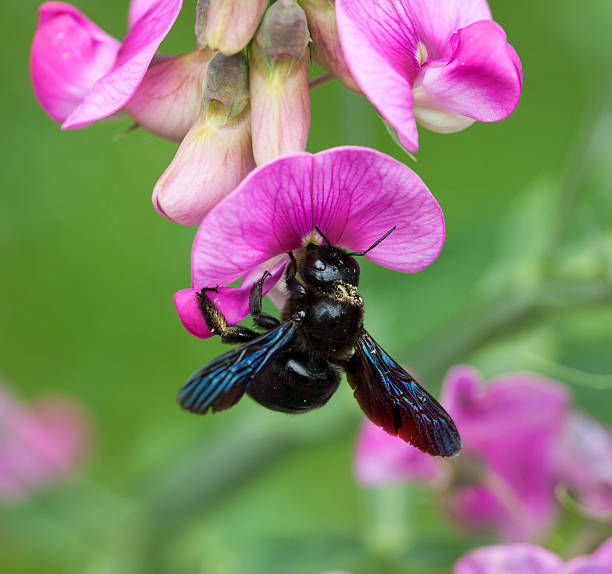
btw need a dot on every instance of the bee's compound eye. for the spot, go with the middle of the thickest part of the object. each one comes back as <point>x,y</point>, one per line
<point>318,264</point>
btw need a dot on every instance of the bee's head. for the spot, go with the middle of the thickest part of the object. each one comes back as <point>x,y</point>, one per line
<point>326,263</point>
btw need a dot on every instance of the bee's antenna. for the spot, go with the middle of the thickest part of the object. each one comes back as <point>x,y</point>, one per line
<point>373,244</point>
<point>323,235</point>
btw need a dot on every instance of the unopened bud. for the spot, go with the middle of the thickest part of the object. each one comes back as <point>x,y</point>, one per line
<point>327,51</point>
<point>200,23</point>
<point>227,82</point>
<point>283,32</point>
<point>231,23</point>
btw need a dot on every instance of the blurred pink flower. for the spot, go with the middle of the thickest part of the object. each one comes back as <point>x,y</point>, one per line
<point>442,63</point>
<point>520,441</point>
<point>80,74</point>
<point>531,559</point>
<point>353,194</point>
<point>39,443</point>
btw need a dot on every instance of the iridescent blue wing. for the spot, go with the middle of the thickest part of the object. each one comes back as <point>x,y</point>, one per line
<point>221,383</point>
<point>393,400</point>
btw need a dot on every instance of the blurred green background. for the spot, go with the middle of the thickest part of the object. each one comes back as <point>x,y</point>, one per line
<point>89,270</point>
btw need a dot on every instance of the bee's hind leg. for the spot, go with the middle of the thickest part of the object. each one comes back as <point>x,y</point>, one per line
<point>216,322</point>
<point>263,320</point>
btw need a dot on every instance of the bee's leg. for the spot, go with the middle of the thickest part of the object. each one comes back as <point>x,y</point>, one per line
<point>263,320</point>
<point>293,285</point>
<point>217,323</point>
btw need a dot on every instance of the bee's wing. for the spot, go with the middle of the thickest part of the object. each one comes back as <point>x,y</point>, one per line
<point>393,400</point>
<point>222,382</point>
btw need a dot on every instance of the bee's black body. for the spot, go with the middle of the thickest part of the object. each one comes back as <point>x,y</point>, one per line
<point>290,368</point>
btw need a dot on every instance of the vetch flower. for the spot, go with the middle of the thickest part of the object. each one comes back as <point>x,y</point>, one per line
<point>326,48</point>
<point>80,74</point>
<point>280,101</point>
<point>216,153</point>
<point>442,63</point>
<point>40,443</point>
<point>353,194</point>
<point>506,476</point>
<point>532,559</point>
<point>230,24</point>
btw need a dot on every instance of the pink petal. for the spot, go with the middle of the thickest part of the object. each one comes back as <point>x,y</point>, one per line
<point>232,301</point>
<point>586,565</point>
<point>138,8</point>
<point>379,45</point>
<point>280,107</point>
<point>482,79</point>
<point>604,552</point>
<point>509,559</point>
<point>438,20</point>
<point>211,161</point>
<point>395,46</point>
<point>114,89</point>
<point>69,55</point>
<point>230,24</point>
<point>383,459</point>
<point>513,425</point>
<point>354,194</point>
<point>39,444</point>
<point>585,459</point>
<point>168,100</point>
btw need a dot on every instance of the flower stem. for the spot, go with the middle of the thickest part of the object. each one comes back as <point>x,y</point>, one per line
<point>321,80</point>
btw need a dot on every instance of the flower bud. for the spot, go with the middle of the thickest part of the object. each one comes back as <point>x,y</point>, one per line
<point>230,24</point>
<point>200,23</point>
<point>327,50</point>
<point>280,102</point>
<point>169,98</point>
<point>227,83</point>
<point>283,32</point>
<point>213,158</point>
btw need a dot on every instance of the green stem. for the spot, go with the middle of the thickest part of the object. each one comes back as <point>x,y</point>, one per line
<point>321,80</point>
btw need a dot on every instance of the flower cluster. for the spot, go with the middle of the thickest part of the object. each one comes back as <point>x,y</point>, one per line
<point>241,97</point>
<point>522,443</point>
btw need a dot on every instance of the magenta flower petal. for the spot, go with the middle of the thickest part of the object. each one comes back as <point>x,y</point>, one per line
<point>138,8</point>
<point>69,55</point>
<point>442,62</point>
<point>482,79</point>
<point>383,459</point>
<point>353,194</point>
<point>604,552</point>
<point>513,425</point>
<point>509,559</point>
<point>232,301</point>
<point>113,90</point>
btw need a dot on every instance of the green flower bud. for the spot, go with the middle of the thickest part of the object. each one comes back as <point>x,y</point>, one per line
<point>200,23</point>
<point>227,82</point>
<point>283,32</point>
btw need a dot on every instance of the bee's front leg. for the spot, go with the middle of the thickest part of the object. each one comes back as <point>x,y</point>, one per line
<point>216,322</point>
<point>263,320</point>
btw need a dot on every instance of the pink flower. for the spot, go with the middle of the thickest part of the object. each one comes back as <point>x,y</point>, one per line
<point>353,194</point>
<point>80,74</point>
<point>39,443</point>
<point>442,63</point>
<point>506,476</point>
<point>531,559</point>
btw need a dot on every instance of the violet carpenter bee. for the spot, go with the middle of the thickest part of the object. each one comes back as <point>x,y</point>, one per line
<point>292,366</point>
